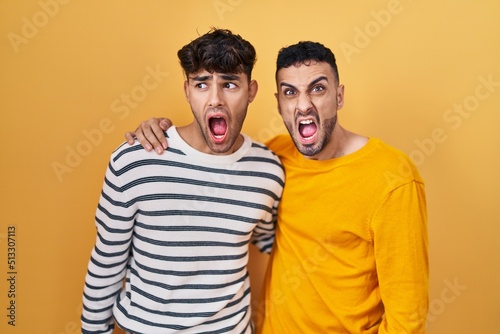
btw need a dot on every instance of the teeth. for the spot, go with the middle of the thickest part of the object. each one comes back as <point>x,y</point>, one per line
<point>308,121</point>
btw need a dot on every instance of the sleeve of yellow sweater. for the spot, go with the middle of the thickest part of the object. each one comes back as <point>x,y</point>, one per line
<point>399,231</point>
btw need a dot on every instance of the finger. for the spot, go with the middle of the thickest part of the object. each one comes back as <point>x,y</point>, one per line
<point>143,135</point>
<point>130,137</point>
<point>165,123</point>
<point>150,135</point>
<point>157,136</point>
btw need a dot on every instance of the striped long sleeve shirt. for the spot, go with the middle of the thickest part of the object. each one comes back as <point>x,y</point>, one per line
<point>172,238</point>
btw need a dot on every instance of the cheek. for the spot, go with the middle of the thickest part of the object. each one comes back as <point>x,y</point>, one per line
<point>328,100</point>
<point>286,106</point>
<point>238,107</point>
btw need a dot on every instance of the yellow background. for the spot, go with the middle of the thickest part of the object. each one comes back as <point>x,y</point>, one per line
<point>422,75</point>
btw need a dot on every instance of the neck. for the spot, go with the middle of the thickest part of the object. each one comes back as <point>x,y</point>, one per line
<point>342,142</point>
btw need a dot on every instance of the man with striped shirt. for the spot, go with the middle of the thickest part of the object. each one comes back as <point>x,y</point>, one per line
<point>173,230</point>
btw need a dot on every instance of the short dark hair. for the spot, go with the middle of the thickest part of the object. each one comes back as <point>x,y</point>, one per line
<point>219,50</point>
<point>303,53</point>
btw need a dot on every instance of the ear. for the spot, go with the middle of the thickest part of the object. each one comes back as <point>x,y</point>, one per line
<point>186,90</point>
<point>340,97</point>
<point>253,87</point>
<point>278,102</point>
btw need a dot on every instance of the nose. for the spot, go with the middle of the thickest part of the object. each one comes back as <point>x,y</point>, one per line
<point>304,104</point>
<point>215,99</point>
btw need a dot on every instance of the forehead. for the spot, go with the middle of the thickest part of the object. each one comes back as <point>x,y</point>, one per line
<point>303,74</point>
<point>204,74</point>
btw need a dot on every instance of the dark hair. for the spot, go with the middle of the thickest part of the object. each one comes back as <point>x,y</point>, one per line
<point>219,50</point>
<point>303,53</point>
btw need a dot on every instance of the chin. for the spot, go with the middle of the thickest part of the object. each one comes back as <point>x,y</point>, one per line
<point>307,150</point>
<point>220,148</point>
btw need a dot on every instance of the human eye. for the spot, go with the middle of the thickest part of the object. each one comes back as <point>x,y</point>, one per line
<point>201,85</point>
<point>230,85</point>
<point>318,88</point>
<point>288,92</point>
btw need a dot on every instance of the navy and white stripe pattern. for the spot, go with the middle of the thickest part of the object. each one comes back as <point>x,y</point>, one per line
<point>177,226</point>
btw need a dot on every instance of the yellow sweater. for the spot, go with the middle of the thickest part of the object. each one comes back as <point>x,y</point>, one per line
<point>351,245</point>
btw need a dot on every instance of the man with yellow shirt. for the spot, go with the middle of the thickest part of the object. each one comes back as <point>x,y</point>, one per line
<point>351,248</point>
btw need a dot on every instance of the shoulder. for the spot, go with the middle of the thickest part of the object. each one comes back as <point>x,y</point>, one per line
<point>281,144</point>
<point>388,154</point>
<point>125,153</point>
<point>134,161</point>
<point>394,163</point>
<point>259,148</point>
<point>260,152</point>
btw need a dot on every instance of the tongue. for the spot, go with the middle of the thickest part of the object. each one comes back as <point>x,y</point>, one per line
<point>218,126</point>
<point>307,130</point>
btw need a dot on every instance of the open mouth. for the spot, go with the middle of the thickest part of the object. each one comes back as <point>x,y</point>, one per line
<point>307,129</point>
<point>218,128</point>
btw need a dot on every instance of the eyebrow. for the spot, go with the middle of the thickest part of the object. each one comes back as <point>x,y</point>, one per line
<point>311,84</point>
<point>229,77</point>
